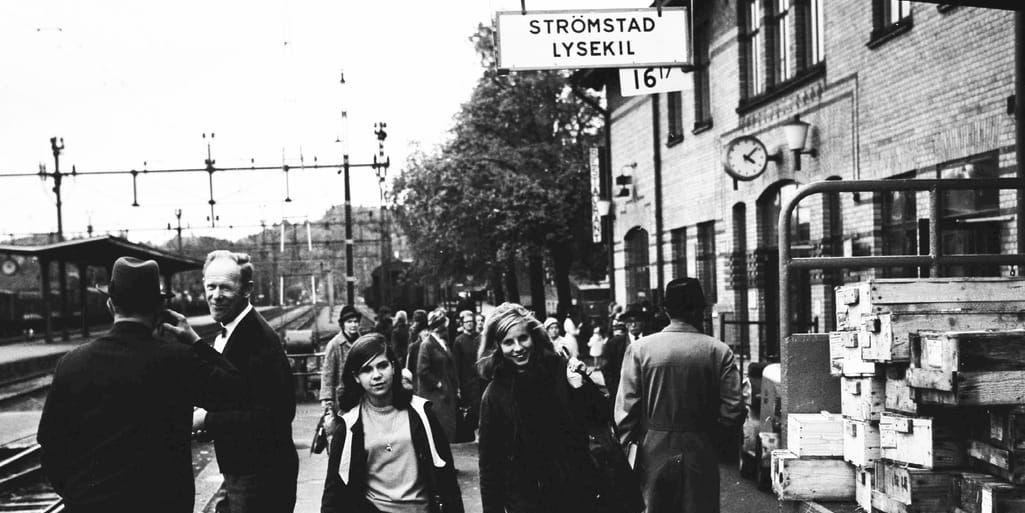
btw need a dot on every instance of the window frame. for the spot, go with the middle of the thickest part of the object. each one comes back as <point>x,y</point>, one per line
<point>707,261</point>
<point>674,118</point>
<point>886,26</point>
<point>678,247</point>
<point>788,47</point>
<point>636,264</point>
<point>781,18</point>
<point>752,43</point>
<point>701,76</point>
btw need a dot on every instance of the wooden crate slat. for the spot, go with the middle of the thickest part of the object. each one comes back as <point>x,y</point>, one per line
<point>815,434</point>
<point>862,398</point>
<point>811,479</point>
<point>1009,465</point>
<point>926,442</point>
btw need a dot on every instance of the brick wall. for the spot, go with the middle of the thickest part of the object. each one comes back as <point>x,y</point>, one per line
<point>930,96</point>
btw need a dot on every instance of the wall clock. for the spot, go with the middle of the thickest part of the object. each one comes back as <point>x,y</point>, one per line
<point>9,267</point>
<point>745,157</point>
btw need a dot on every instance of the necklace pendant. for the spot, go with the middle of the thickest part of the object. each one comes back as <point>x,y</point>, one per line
<point>388,447</point>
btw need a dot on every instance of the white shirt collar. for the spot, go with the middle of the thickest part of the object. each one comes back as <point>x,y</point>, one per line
<point>222,338</point>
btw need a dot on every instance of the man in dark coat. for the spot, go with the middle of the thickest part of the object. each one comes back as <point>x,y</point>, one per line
<point>679,389</point>
<point>116,426</point>
<point>254,445</point>
<point>613,350</point>
<point>464,351</point>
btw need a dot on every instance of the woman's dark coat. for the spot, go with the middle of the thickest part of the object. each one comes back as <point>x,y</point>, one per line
<point>436,380</point>
<point>341,495</point>
<point>533,445</point>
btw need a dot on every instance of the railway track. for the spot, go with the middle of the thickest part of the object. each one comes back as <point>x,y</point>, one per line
<point>23,488</point>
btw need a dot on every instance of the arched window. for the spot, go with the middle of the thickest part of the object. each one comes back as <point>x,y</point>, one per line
<point>636,264</point>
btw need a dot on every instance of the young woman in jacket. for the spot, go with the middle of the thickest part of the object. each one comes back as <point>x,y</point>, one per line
<point>388,453</point>
<point>533,444</point>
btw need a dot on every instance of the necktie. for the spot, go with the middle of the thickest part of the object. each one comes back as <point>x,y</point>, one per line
<point>224,332</point>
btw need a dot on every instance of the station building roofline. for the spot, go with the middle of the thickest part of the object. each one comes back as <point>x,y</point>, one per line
<point>102,251</point>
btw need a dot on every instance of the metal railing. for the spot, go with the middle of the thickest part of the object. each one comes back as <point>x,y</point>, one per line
<point>934,260</point>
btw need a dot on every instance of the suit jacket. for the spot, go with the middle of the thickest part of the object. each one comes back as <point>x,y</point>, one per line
<point>116,426</point>
<point>256,435</point>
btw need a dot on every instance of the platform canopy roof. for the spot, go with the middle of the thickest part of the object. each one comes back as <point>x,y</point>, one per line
<point>103,251</point>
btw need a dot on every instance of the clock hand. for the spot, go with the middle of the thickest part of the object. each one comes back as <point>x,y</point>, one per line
<point>747,156</point>
<point>749,159</point>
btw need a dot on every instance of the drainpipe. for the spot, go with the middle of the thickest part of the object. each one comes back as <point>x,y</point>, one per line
<point>656,130</point>
<point>610,223</point>
<point>1019,123</point>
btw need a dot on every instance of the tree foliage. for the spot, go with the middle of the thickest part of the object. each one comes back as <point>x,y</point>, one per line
<point>513,180</point>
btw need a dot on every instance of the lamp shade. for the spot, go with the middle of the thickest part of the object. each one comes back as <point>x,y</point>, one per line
<point>796,132</point>
<point>603,206</point>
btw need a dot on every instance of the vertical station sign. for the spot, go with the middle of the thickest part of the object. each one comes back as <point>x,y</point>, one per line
<point>601,38</point>
<point>595,194</point>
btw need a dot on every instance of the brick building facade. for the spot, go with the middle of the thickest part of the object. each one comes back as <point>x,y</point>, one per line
<point>889,88</point>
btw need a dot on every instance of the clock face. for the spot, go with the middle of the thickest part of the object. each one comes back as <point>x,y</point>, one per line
<point>9,267</point>
<point>746,158</point>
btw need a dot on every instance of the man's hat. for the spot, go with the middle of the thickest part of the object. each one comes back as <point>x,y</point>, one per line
<point>348,312</point>
<point>466,315</point>
<point>135,283</point>
<point>633,312</point>
<point>684,294</point>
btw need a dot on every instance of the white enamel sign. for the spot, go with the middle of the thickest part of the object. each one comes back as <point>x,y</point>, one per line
<point>604,38</point>
<point>638,81</point>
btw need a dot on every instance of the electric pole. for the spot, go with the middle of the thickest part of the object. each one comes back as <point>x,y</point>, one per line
<point>178,214</point>
<point>57,146</point>
<point>384,295</point>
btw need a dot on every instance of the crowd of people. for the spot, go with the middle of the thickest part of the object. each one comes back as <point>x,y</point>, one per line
<point>116,426</point>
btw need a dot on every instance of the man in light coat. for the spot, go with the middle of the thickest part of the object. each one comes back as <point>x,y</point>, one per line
<point>679,389</point>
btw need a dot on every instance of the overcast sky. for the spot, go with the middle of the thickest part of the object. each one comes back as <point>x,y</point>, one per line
<point>127,83</point>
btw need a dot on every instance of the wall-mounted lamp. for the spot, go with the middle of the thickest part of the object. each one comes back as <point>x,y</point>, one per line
<point>625,180</point>
<point>796,133</point>
<point>603,206</point>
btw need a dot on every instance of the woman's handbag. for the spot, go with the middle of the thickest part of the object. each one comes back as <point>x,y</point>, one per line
<point>319,442</point>
<point>618,487</point>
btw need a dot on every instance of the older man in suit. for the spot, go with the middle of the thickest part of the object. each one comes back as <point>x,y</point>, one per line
<point>115,429</point>
<point>255,449</point>
<point>612,352</point>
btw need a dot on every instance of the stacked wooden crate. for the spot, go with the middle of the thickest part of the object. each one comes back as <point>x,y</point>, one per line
<point>931,372</point>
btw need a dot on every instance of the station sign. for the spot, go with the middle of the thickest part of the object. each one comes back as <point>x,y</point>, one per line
<point>640,81</point>
<point>600,38</point>
<point>595,164</point>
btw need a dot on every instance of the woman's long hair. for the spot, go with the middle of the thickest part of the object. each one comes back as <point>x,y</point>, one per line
<point>366,348</point>
<point>497,325</point>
